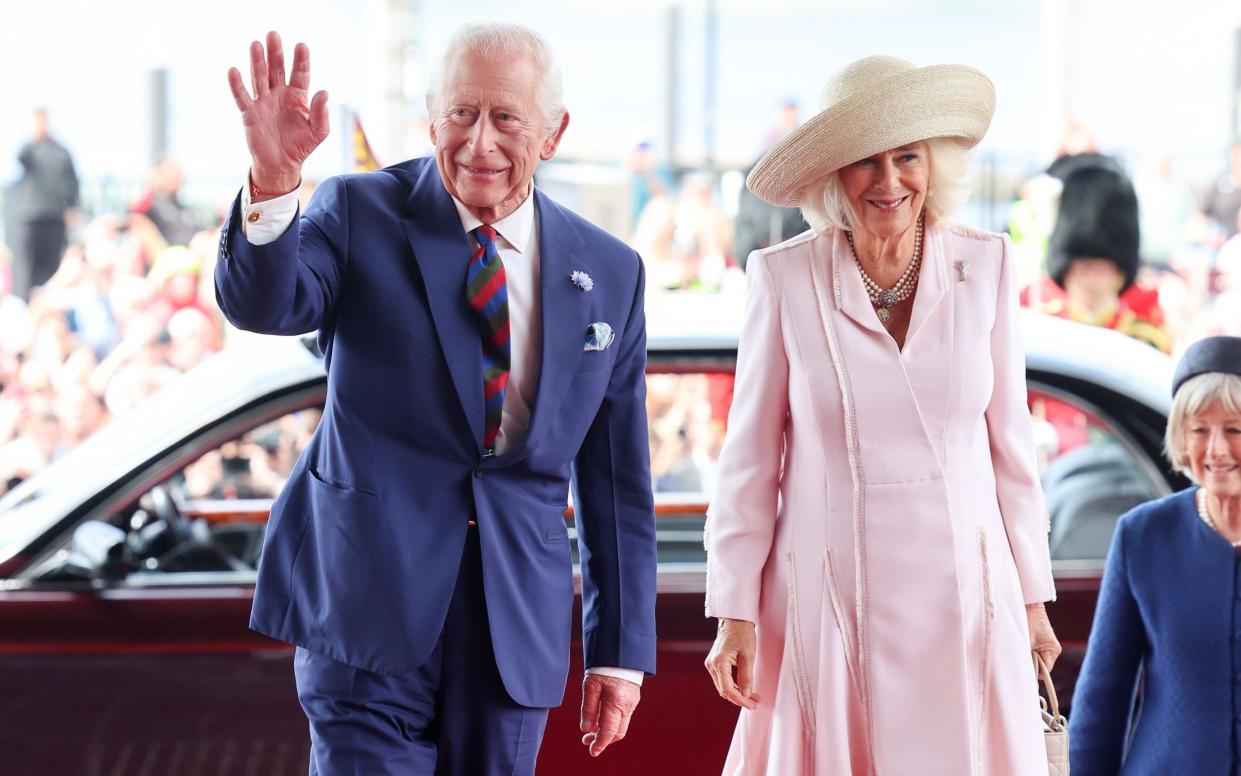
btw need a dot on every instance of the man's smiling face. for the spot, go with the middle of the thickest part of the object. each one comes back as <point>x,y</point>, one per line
<point>490,133</point>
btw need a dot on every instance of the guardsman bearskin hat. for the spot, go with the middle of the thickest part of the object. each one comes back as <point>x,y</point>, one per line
<point>1098,218</point>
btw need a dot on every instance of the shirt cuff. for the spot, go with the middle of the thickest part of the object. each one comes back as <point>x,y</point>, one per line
<point>264,222</point>
<point>628,674</point>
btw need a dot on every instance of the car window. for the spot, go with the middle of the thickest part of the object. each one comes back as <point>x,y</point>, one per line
<point>1091,472</point>
<point>210,513</point>
<point>253,466</point>
<point>687,408</point>
<point>686,413</point>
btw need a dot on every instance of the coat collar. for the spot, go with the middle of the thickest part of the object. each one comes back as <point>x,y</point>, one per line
<point>515,228</point>
<point>932,281</point>
<point>850,297</point>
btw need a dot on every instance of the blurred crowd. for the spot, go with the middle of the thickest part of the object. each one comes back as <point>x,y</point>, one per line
<point>122,315</point>
<point>127,302</point>
<point>1135,252</point>
<point>127,305</point>
<point>1095,240</point>
<point>687,415</point>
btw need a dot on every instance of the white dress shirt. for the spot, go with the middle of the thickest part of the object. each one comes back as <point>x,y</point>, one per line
<point>518,246</point>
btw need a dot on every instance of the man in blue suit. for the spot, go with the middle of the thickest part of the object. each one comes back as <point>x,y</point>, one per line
<point>484,348</point>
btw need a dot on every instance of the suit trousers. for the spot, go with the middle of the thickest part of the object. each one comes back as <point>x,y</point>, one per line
<point>450,717</point>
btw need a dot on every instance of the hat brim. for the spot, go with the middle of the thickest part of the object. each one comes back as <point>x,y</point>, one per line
<point>953,101</point>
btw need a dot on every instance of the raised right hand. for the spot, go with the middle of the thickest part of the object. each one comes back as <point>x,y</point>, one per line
<point>734,648</point>
<point>281,127</point>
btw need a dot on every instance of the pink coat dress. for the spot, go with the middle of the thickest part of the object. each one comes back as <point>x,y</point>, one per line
<point>879,517</point>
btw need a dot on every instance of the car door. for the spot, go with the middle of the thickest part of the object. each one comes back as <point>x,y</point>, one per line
<point>128,651</point>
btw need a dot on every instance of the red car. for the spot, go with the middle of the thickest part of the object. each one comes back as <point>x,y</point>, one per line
<point>127,568</point>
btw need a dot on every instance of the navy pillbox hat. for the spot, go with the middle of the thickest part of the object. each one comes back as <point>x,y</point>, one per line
<point>1210,354</point>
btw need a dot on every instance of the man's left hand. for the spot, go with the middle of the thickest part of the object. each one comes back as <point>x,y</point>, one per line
<point>607,705</point>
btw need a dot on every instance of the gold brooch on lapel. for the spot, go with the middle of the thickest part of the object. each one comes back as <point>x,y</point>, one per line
<point>582,280</point>
<point>963,269</point>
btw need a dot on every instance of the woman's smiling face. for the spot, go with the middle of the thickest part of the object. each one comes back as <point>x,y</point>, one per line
<point>886,191</point>
<point>1213,444</point>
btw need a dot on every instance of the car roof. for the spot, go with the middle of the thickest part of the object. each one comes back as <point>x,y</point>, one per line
<point>1100,356</point>
<point>1107,358</point>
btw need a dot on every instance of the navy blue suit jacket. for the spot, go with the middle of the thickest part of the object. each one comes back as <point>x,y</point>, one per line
<point>364,542</point>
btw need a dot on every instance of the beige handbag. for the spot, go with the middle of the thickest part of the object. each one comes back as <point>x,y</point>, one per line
<point>1055,726</point>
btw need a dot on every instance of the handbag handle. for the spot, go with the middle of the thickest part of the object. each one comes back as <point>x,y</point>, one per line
<point>1051,717</point>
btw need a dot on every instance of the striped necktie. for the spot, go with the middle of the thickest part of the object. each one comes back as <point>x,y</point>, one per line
<point>487,292</point>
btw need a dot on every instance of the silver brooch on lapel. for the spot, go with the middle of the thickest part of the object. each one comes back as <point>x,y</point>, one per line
<point>582,280</point>
<point>598,336</point>
<point>963,269</point>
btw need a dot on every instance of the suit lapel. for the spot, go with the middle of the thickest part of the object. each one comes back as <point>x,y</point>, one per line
<point>442,252</point>
<point>565,309</point>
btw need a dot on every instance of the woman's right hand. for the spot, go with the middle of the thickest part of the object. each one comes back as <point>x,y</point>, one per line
<point>281,127</point>
<point>734,649</point>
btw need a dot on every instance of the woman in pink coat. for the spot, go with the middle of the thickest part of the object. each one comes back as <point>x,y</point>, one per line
<point>877,548</point>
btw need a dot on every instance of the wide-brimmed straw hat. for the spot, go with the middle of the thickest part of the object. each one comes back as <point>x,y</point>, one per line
<point>872,105</point>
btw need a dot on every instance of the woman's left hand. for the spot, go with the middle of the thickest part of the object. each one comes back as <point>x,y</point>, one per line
<point>1042,638</point>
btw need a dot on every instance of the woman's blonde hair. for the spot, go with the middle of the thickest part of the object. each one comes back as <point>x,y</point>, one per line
<point>1197,394</point>
<point>825,205</point>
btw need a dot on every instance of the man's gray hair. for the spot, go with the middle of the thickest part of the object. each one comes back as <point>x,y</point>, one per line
<point>500,40</point>
<point>825,205</point>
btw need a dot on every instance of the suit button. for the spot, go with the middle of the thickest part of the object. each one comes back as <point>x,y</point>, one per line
<point>254,216</point>
<point>478,474</point>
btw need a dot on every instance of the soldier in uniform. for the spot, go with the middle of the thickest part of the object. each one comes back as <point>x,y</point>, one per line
<point>1092,256</point>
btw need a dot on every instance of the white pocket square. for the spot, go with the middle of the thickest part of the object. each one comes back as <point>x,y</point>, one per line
<point>598,336</point>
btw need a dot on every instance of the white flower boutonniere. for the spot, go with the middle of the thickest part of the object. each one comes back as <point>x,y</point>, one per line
<point>582,280</point>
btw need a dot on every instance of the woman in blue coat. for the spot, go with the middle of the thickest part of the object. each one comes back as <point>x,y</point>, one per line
<point>1170,607</point>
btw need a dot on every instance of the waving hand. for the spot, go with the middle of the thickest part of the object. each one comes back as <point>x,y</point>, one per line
<point>282,126</point>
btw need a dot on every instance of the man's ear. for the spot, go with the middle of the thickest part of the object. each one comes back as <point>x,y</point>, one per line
<point>553,140</point>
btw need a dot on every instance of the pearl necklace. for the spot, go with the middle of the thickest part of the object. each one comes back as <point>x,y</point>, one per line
<point>883,299</point>
<point>1205,514</point>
